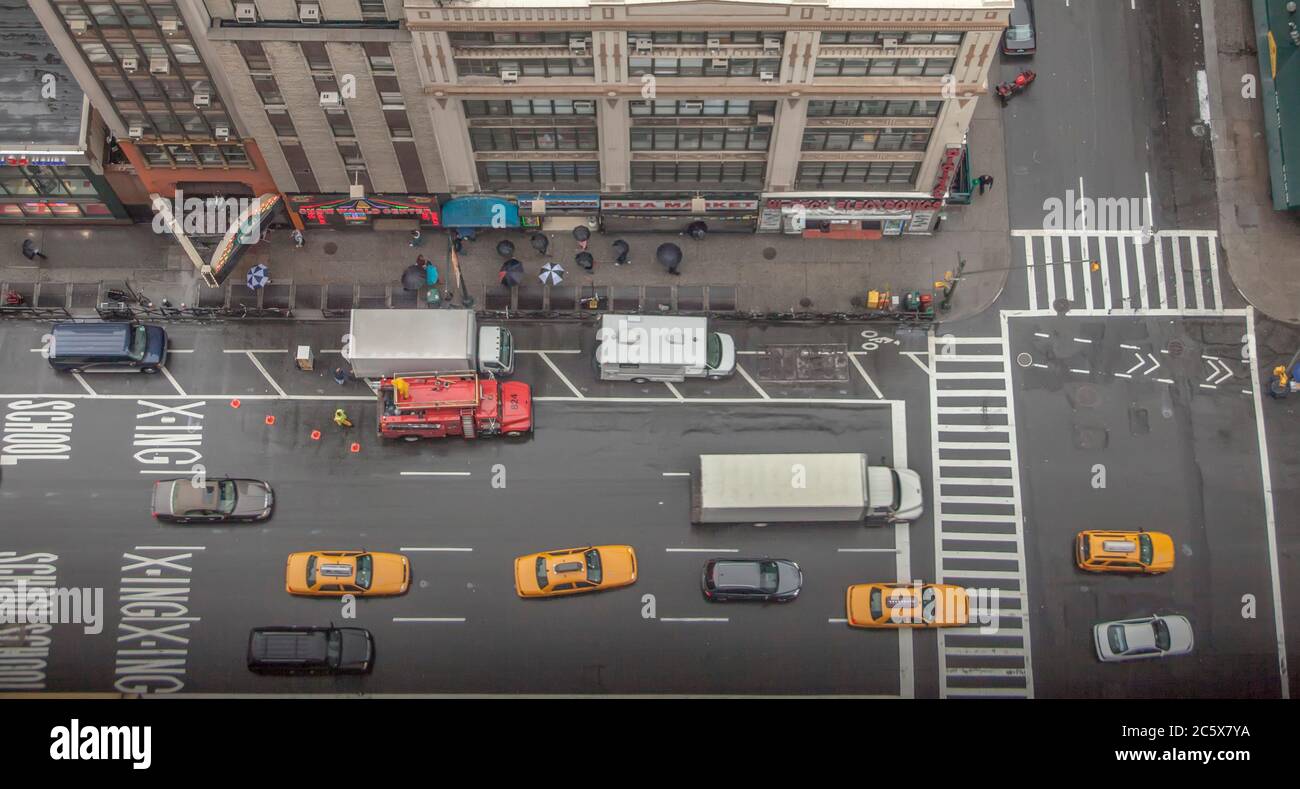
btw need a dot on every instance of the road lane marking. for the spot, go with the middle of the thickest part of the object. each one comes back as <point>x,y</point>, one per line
<point>837,621</point>
<point>561,375</point>
<point>925,368</point>
<point>428,619</point>
<point>673,389</point>
<point>863,372</point>
<point>745,373</point>
<point>85,385</point>
<point>436,473</point>
<point>677,473</point>
<point>549,350</point>
<point>254,350</point>
<point>866,550</point>
<point>443,550</point>
<point>175,384</point>
<point>252,358</point>
<point>694,619</point>
<point>702,550</point>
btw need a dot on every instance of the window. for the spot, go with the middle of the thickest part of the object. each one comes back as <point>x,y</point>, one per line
<point>381,60</point>
<point>509,38</point>
<point>534,139</point>
<point>528,67</point>
<point>281,122</point>
<point>399,126</point>
<point>691,108</point>
<point>267,89</point>
<point>525,107</point>
<point>587,173</point>
<point>833,174</point>
<point>254,55</point>
<point>713,174</point>
<point>351,153</point>
<point>318,58</point>
<point>701,67</point>
<point>697,138</point>
<point>882,67</point>
<point>866,139</point>
<point>373,11</point>
<point>339,122</point>
<point>874,107</point>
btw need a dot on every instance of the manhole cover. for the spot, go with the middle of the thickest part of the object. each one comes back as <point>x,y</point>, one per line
<point>1024,360</point>
<point>805,302</point>
<point>1061,305</point>
<point>769,253</point>
<point>331,248</point>
<point>1087,396</point>
<point>1176,347</point>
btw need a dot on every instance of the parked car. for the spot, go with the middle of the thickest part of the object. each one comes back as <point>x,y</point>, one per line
<point>213,501</point>
<point>107,348</point>
<point>575,570</point>
<point>1150,552</point>
<point>907,605</point>
<point>336,573</point>
<point>1021,38</point>
<point>310,650</point>
<point>761,580</point>
<point>1137,639</point>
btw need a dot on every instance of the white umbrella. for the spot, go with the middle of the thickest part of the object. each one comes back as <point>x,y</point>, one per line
<point>552,274</point>
<point>258,276</point>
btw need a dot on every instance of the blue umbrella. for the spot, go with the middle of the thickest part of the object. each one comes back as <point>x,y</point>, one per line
<point>258,276</point>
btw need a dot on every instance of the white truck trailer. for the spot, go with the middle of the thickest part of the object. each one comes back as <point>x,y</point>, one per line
<point>802,488</point>
<point>384,343</point>
<point>643,348</point>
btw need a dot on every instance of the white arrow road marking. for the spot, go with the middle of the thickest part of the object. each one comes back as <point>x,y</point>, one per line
<point>1133,369</point>
<point>1154,362</point>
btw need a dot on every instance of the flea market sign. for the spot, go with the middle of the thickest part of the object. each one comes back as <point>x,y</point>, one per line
<point>947,169</point>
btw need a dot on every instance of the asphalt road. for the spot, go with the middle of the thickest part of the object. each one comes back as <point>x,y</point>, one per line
<point>594,472</point>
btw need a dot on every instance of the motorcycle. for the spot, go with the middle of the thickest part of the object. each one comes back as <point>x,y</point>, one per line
<point>1008,89</point>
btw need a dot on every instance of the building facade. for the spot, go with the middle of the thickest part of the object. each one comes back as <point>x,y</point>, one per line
<point>775,115</point>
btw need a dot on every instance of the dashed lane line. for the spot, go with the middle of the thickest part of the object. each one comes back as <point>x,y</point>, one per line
<point>434,619</point>
<point>407,549</point>
<point>863,372</point>
<point>258,364</point>
<point>745,373</point>
<point>436,473</point>
<point>561,375</point>
<point>175,384</point>
<point>702,550</point>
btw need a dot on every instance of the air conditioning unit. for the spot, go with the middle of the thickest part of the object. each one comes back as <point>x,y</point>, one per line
<point>767,76</point>
<point>129,65</point>
<point>644,45</point>
<point>135,132</point>
<point>765,120</point>
<point>78,25</point>
<point>889,43</point>
<point>772,44</point>
<point>159,66</point>
<point>329,99</point>
<point>222,132</point>
<point>720,62</point>
<point>202,100</point>
<point>309,13</point>
<point>246,13</point>
<point>169,25</point>
<point>584,106</point>
<point>715,43</point>
<point>510,76</point>
<point>578,46</point>
<point>692,106</point>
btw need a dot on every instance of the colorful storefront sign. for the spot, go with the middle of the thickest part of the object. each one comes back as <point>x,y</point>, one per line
<point>362,211</point>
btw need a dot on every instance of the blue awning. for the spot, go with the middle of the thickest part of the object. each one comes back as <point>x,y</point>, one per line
<point>480,211</point>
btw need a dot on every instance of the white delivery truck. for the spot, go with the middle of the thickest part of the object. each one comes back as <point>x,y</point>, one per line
<point>643,348</point>
<point>802,488</point>
<point>384,343</point>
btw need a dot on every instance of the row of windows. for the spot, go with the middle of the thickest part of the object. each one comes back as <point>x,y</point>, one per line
<point>528,67</point>
<point>686,107</point>
<point>883,67</point>
<point>483,109</point>
<point>317,56</point>
<point>701,139</point>
<point>44,209</point>
<point>730,174</point>
<point>737,37</point>
<point>834,174</point>
<point>703,67</point>
<point>183,155</point>
<point>539,172</point>
<point>866,140</point>
<point>119,14</point>
<point>512,38</point>
<point>876,36</point>
<point>558,139</point>
<point>45,181</point>
<point>897,108</point>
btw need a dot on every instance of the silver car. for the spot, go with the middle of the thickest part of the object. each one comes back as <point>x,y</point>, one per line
<point>212,500</point>
<point>1135,639</point>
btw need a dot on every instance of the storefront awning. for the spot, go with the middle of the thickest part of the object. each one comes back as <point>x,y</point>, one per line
<point>480,211</point>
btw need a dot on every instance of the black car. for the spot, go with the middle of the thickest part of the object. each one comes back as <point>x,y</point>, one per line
<point>761,580</point>
<point>1021,38</point>
<point>310,650</point>
<point>181,500</point>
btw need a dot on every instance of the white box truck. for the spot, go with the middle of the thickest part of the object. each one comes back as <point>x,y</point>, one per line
<point>643,348</point>
<point>802,488</point>
<point>384,343</point>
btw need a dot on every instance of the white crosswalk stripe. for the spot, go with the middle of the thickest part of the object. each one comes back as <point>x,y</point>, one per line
<point>979,539</point>
<point>1172,272</point>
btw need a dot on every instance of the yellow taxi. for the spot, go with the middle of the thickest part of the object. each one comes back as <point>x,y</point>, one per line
<point>336,573</point>
<point>1149,552</point>
<point>907,605</point>
<point>575,570</point>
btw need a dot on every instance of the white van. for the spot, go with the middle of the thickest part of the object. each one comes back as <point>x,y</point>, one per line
<point>643,348</point>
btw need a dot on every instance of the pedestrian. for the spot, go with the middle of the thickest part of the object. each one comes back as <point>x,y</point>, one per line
<point>416,238</point>
<point>585,261</point>
<point>622,249</point>
<point>456,242</point>
<point>420,261</point>
<point>468,233</point>
<point>697,230</point>
<point>341,418</point>
<point>298,240</point>
<point>540,242</point>
<point>31,251</point>
<point>340,376</point>
<point>986,182</point>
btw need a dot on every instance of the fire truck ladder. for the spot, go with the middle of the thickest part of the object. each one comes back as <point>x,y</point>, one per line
<point>467,422</point>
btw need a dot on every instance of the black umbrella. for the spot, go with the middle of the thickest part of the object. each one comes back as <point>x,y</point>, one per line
<point>620,250</point>
<point>697,229</point>
<point>669,256</point>
<point>413,278</point>
<point>505,248</point>
<point>585,260</point>
<point>512,273</point>
<point>581,233</point>
<point>540,242</point>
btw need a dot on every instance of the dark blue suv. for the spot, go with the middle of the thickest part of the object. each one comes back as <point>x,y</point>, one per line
<point>107,347</point>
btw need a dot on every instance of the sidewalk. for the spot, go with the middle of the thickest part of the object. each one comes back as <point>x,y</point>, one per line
<point>1260,243</point>
<point>724,272</point>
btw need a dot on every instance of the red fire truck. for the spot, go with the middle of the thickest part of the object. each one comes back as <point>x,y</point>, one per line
<point>461,404</point>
